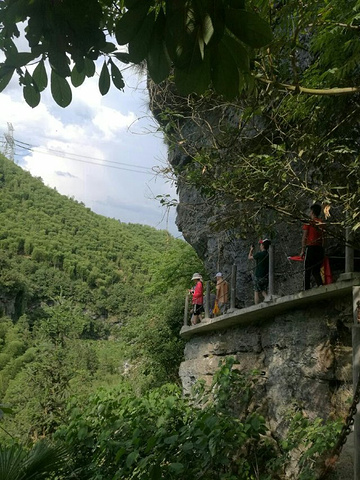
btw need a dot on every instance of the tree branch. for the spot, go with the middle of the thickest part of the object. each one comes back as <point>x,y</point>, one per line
<point>311,91</point>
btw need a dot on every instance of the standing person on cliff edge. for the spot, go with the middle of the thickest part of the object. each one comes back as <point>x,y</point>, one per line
<point>197,298</point>
<point>222,293</point>
<point>312,247</point>
<point>261,274</point>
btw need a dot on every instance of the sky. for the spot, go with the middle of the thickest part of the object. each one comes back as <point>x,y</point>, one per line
<point>100,150</point>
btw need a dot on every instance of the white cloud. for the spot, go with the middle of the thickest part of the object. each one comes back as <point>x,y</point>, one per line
<point>110,122</point>
<point>87,150</point>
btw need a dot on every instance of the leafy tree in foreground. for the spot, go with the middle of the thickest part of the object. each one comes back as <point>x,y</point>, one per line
<point>204,42</point>
<point>163,435</point>
<point>283,147</point>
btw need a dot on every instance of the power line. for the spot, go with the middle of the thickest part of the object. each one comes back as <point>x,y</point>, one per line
<point>30,147</point>
<point>146,171</point>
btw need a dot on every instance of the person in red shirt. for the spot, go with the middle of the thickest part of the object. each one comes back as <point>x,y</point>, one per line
<point>313,247</point>
<point>197,299</point>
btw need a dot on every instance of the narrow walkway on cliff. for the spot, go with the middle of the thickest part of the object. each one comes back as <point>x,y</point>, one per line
<point>273,304</point>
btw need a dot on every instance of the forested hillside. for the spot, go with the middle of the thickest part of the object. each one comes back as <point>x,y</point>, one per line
<point>84,300</point>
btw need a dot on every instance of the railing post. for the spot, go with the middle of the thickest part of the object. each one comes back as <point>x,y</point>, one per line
<point>186,310</point>
<point>356,372</point>
<point>349,252</point>
<point>207,300</point>
<point>233,287</point>
<point>271,270</point>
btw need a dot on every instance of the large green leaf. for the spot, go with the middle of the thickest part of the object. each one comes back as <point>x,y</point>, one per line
<point>77,78</point>
<point>248,27</point>
<point>158,61</point>
<point>19,59</point>
<point>8,46</point>
<point>5,409</point>
<point>238,52</point>
<point>207,30</point>
<point>219,25</point>
<point>40,76</point>
<point>183,29</point>
<point>116,76</point>
<point>139,45</point>
<point>122,56</point>
<point>224,71</point>
<point>108,47</point>
<point>129,24</point>
<point>104,79</point>
<point>31,95</point>
<point>60,90</point>
<point>59,62</point>
<point>89,67</point>
<point>195,81</point>
<point>34,29</point>
<point>5,76</point>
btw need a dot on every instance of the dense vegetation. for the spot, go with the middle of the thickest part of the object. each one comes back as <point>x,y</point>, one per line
<point>89,351</point>
<point>90,308</point>
<point>202,43</point>
<point>83,299</point>
<point>295,139</point>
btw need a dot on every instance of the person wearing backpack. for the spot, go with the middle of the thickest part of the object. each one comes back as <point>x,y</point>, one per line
<point>261,274</point>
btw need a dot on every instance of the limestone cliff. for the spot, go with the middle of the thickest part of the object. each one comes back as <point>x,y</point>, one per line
<point>300,344</point>
<point>304,352</point>
<point>215,225</point>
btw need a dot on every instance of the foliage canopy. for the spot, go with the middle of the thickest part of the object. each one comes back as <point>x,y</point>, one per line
<point>279,149</point>
<point>90,300</point>
<point>200,42</point>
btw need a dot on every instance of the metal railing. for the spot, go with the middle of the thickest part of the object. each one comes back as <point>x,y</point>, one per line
<point>354,415</point>
<point>349,268</point>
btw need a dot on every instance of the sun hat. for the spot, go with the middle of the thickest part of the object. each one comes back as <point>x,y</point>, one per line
<point>219,274</point>
<point>265,240</point>
<point>196,276</point>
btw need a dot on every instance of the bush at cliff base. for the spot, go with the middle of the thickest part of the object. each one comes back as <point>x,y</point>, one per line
<point>212,434</point>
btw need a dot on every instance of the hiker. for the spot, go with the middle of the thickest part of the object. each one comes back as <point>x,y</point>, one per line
<point>261,274</point>
<point>197,299</point>
<point>312,247</point>
<point>222,293</point>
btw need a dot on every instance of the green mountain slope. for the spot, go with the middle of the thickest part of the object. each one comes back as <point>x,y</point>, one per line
<point>85,301</point>
<point>51,245</point>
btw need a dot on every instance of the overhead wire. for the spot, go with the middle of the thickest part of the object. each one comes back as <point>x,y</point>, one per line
<point>81,158</point>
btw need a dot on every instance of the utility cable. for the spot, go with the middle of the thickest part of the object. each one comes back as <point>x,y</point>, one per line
<point>61,153</point>
<point>149,172</point>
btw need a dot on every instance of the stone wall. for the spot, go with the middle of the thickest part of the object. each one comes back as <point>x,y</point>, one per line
<point>300,344</point>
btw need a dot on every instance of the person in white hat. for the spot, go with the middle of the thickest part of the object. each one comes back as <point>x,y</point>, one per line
<point>197,299</point>
<point>222,293</point>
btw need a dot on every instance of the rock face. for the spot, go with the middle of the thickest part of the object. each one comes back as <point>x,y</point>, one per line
<point>221,249</point>
<point>11,305</point>
<point>303,354</point>
<point>201,218</point>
